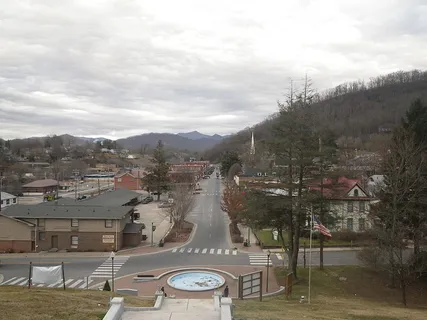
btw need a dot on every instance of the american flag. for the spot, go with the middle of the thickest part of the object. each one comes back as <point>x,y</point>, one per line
<point>317,225</point>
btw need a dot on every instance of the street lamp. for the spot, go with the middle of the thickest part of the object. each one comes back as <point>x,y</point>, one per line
<point>1,187</point>
<point>268,268</point>
<point>112,255</point>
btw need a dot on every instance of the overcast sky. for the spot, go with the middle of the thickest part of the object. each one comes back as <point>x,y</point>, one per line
<point>122,68</point>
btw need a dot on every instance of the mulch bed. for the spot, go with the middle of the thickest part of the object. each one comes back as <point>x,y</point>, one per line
<point>180,235</point>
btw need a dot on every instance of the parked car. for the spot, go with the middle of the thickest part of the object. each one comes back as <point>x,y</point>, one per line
<point>165,204</point>
<point>197,191</point>
<point>147,200</point>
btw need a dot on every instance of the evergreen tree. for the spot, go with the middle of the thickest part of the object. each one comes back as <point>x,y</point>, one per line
<point>106,286</point>
<point>157,175</point>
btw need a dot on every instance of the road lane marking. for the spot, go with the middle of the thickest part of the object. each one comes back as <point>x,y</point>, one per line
<point>219,251</point>
<point>85,284</point>
<point>189,250</point>
<point>227,251</point>
<point>204,250</point>
<point>182,250</point>
<point>174,250</point>
<point>212,251</point>
<point>18,280</point>
<point>76,283</point>
<point>234,252</point>
<point>196,250</point>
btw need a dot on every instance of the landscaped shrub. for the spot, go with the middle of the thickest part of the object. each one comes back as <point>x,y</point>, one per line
<point>348,236</point>
<point>371,257</point>
<point>106,286</point>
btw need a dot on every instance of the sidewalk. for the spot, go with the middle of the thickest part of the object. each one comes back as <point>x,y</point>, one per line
<point>336,249</point>
<point>247,234</point>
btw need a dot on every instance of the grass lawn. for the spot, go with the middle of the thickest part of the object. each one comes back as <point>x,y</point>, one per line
<point>265,236</point>
<point>39,303</point>
<point>363,296</point>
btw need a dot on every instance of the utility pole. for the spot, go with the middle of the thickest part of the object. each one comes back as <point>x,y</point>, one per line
<point>57,188</point>
<point>75,173</point>
<point>1,184</point>
<point>322,215</point>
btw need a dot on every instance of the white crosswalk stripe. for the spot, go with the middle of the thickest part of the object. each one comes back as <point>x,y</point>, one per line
<point>259,260</point>
<point>106,269</point>
<point>184,250</point>
<point>69,283</point>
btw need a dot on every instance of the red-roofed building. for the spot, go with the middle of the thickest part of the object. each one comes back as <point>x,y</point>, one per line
<point>348,201</point>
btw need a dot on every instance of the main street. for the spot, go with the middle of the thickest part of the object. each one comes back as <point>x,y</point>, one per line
<point>209,246</point>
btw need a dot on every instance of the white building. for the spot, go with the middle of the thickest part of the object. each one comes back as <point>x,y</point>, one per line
<point>348,202</point>
<point>8,199</point>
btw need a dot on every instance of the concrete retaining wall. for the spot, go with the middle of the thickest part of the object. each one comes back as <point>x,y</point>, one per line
<point>117,307</point>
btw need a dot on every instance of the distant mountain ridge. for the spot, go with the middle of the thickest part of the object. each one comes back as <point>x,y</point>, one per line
<point>196,135</point>
<point>191,141</point>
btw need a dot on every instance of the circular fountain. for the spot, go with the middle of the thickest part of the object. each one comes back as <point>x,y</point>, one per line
<point>196,281</point>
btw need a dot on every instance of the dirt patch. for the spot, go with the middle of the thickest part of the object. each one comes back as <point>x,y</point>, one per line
<point>180,235</point>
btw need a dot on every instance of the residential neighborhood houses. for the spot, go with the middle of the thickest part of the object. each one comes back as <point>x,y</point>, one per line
<point>348,200</point>
<point>7,199</point>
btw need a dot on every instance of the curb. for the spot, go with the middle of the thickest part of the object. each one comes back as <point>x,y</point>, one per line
<point>182,267</point>
<point>1,278</point>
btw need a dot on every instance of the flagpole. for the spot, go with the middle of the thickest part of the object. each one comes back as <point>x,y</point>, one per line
<point>309,268</point>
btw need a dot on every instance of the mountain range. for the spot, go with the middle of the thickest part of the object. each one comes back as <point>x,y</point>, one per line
<point>191,141</point>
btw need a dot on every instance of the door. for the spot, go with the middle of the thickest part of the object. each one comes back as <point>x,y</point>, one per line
<point>54,242</point>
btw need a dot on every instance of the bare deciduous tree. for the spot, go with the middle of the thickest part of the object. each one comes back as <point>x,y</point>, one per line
<point>183,203</point>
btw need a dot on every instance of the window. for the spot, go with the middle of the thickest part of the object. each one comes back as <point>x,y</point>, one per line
<point>361,224</point>
<point>74,241</point>
<point>40,222</point>
<point>7,201</point>
<point>74,222</point>
<point>350,206</point>
<point>42,236</point>
<point>109,223</point>
<point>356,192</point>
<point>361,206</point>
<point>350,224</point>
<point>14,200</point>
<point>119,179</point>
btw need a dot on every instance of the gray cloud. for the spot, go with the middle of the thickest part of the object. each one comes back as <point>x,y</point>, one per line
<point>120,68</point>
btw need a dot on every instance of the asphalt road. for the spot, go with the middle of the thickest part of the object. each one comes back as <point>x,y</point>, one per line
<point>210,246</point>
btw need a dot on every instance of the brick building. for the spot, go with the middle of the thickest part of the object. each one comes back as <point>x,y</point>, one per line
<point>127,181</point>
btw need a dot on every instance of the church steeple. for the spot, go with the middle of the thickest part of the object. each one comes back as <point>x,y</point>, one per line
<point>252,151</point>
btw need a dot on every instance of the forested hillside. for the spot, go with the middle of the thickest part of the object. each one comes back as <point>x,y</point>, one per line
<point>357,110</point>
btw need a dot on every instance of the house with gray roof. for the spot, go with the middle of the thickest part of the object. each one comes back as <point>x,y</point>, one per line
<point>7,199</point>
<point>102,223</point>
